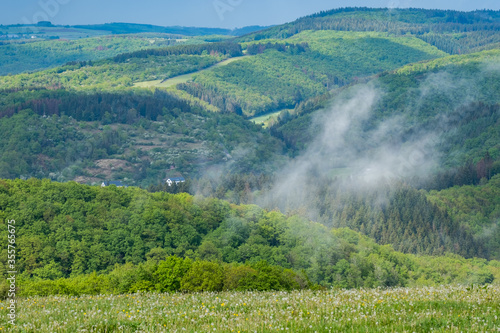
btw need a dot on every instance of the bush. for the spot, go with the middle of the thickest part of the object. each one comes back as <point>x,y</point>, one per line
<point>203,276</point>
<point>239,277</point>
<point>171,272</point>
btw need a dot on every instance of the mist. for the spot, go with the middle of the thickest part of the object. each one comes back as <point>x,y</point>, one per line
<point>348,156</point>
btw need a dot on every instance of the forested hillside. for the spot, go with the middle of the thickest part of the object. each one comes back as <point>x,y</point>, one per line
<point>358,164</point>
<point>302,70</point>
<point>27,48</point>
<point>133,136</point>
<point>32,56</point>
<point>384,133</point>
<point>454,98</point>
<point>88,122</point>
<point>70,230</point>
<point>451,31</point>
<point>123,70</point>
<point>338,48</point>
<point>281,77</point>
<point>477,207</point>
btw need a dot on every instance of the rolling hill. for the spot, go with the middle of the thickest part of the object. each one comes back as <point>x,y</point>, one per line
<point>313,63</point>
<point>96,234</point>
<point>42,47</point>
<point>378,113</point>
<point>337,48</point>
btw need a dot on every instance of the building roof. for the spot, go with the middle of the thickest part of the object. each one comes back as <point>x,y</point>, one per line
<point>176,179</point>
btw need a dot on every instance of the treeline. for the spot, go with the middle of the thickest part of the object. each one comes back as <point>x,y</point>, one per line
<point>170,274</point>
<point>464,43</point>
<point>407,220</point>
<point>414,15</point>
<point>107,75</point>
<point>394,214</point>
<point>39,55</point>
<point>477,207</point>
<point>275,80</point>
<point>212,95</point>
<point>67,230</point>
<point>226,48</point>
<point>297,133</point>
<point>61,134</point>
<point>126,107</point>
<point>419,22</point>
<point>253,49</point>
<point>464,124</point>
<point>54,147</point>
<point>468,174</point>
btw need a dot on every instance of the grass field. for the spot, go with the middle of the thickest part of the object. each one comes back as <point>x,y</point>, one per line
<point>439,309</point>
<point>264,119</point>
<point>181,78</point>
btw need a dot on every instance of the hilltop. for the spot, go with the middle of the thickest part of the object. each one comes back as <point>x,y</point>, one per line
<point>365,101</point>
<point>21,45</point>
<point>252,178</point>
<point>263,72</point>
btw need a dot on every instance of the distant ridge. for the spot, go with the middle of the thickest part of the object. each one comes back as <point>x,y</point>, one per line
<point>131,28</point>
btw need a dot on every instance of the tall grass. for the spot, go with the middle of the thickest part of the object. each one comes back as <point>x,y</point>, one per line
<point>440,309</point>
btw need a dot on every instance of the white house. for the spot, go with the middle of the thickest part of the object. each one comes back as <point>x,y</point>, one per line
<point>175,180</point>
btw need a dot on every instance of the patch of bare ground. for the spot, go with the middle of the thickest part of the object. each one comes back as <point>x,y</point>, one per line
<point>106,167</point>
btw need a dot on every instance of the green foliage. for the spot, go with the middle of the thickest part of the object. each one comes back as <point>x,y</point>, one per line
<point>171,272</point>
<point>106,75</point>
<point>34,56</point>
<point>477,207</point>
<point>150,132</point>
<point>283,76</point>
<point>460,31</point>
<point>203,276</point>
<point>75,239</point>
<point>427,97</point>
<point>226,48</point>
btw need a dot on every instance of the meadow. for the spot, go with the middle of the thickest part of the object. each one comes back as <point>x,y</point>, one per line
<point>418,309</point>
<point>182,78</point>
<point>265,119</point>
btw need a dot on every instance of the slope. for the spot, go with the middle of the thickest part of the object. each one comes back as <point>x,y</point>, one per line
<point>451,31</point>
<point>285,72</point>
<point>455,96</point>
<point>478,207</point>
<point>136,136</point>
<point>363,152</point>
<point>69,230</point>
<point>38,55</point>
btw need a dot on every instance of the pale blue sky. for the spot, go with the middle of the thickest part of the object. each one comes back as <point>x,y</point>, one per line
<point>201,13</point>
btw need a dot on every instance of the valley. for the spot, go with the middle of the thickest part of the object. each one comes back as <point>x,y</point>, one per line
<point>337,172</point>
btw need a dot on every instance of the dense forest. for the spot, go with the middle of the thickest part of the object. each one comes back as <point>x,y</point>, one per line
<point>281,76</point>
<point>428,98</point>
<point>230,49</point>
<point>17,58</point>
<point>451,31</point>
<point>63,136</point>
<point>388,212</point>
<point>106,75</point>
<point>70,231</point>
<point>382,170</point>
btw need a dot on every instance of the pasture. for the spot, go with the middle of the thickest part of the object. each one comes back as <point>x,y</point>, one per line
<point>419,309</point>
